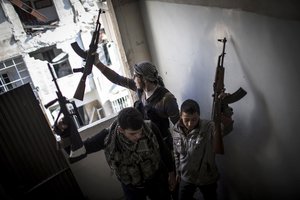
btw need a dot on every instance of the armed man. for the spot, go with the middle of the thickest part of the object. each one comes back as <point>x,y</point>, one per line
<point>194,151</point>
<point>137,154</point>
<point>155,102</point>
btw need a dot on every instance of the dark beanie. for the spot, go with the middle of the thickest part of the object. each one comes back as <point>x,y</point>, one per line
<point>147,70</point>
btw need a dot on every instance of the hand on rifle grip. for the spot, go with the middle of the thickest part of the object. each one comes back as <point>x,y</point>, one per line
<point>227,124</point>
<point>97,60</point>
<point>50,103</point>
<point>222,95</point>
<point>226,110</point>
<point>81,69</point>
<point>61,125</point>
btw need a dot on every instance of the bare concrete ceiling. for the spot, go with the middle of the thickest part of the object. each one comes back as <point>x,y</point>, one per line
<point>283,9</point>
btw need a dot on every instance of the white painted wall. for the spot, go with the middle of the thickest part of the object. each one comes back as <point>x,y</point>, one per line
<point>260,160</point>
<point>92,173</point>
<point>132,31</point>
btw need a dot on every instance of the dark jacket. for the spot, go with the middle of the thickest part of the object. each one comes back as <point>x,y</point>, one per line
<point>99,142</point>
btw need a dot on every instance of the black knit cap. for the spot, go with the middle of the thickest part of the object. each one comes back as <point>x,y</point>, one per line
<point>147,70</point>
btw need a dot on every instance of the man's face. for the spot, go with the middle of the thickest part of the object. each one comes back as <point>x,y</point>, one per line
<point>102,36</point>
<point>138,79</point>
<point>132,135</point>
<point>190,121</point>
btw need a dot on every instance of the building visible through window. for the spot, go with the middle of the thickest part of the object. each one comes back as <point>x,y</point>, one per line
<point>57,58</point>
<point>13,73</point>
<point>61,65</point>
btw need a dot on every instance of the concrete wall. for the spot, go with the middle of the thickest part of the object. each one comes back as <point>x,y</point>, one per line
<point>92,173</point>
<point>260,160</point>
<point>132,31</point>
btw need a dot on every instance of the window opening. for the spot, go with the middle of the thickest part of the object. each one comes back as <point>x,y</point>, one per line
<point>13,73</point>
<point>58,59</point>
<point>91,112</point>
<point>36,15</point>
<point>113,98</point>
<point>86,114</point>
<point>73,110</point>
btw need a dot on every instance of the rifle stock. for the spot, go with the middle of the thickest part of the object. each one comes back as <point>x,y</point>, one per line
<point>218,103</point>
<point>79,93</point>
<point>89,58</point>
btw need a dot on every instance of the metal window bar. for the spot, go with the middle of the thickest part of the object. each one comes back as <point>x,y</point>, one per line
<point>17,70</point>
<point>19,66</point>
<point>120,103</point>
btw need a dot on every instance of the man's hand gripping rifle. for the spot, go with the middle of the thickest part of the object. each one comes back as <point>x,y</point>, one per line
<point>89,57</point>
<point>77,150</point>
<point>221,100</point>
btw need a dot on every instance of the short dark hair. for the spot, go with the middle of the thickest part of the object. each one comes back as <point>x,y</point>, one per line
<point>190,106</point>
<point>130,118</point>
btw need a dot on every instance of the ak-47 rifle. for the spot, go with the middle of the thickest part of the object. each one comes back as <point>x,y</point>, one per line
<point>221,104</point>
<point>89,58</point>
<point>77,150</point>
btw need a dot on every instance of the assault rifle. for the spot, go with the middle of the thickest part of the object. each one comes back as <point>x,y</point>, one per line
<point>77,150</point>
<point>89,57</point>
<point>220,105</point>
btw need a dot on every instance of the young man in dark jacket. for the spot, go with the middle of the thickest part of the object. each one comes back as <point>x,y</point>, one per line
<point>138,156</point>
<point>193,151</point>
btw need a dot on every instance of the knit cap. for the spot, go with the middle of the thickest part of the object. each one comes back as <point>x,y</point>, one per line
<point>146,70</point>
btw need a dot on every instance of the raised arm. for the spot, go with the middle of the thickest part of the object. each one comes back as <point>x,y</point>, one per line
<point>95,143</point>
<point>113,76</point>
<point>171,107</point>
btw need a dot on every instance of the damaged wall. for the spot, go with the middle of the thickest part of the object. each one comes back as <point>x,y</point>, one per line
<point>74,24</point>
<point>8,43</point>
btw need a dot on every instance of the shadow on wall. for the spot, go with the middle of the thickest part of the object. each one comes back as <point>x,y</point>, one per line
<point>198,87</point>
<point>247,157</point>
<point>92,173</point>
<point>96,179</point>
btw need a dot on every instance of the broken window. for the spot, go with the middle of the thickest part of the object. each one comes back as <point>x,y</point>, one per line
<point>58,59</point>
<point>36,15</point>
<point>60,63</point>
<point>13,73</point>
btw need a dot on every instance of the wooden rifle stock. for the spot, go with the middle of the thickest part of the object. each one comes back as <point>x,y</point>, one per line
<point>79,93</point>
<point>90,58</point>
<point>219,102</point>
